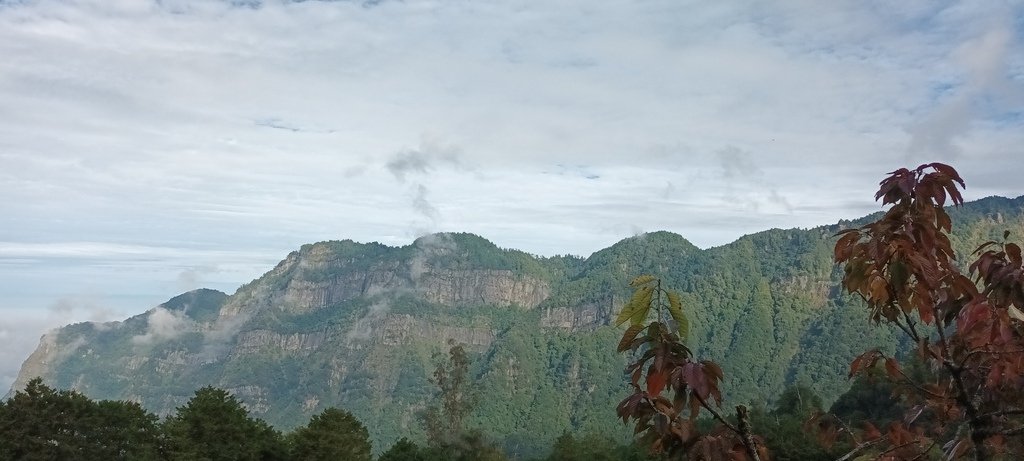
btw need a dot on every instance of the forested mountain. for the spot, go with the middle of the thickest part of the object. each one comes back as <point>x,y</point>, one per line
<point>356,326</point>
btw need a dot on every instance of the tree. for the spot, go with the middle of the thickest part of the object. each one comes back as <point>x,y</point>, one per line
<point>664,363</point>
<point>967,328</point>
<point>403,450</point>
<point>444,423</point>
<point>467,446</point>
<point>782,427</point>
<point>214,425</point>
<point>331,435</point>
<point>123,430</point>
<point>587,448</point>
<point>43,423</point>
<point>447,436</point>
<point>869,399</point>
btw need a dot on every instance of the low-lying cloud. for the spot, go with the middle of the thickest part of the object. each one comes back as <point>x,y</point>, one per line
<point>163,324</point>
<point>363,328</point>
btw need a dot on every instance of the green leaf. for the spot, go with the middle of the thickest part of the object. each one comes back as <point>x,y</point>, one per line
<point>642,280</point>
<point>624,314</point>
<point>675,308</point>
<point>641,303</point>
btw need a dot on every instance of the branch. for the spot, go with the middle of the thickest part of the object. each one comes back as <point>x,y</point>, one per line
<point>897,447</point>
<point>909,329</point>
<point>925,452</point>
<point>1013,432</point>
<point>744,425</point>
<point>918,386</point>
<point>859,449</point>
<point>963,398</point>
<point>963,362</point>
<point>994,414</point>
<point>714,413</point>
<point>748,440</point>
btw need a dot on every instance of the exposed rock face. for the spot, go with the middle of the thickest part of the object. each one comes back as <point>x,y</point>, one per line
<point>816,289</point>
<point>315,279</point>
<point>254,341</point>
<point>399,329</point>
<point>581,318</point>
<point>307,282</point>
<point>177,360</point>
<point>39,363</point>
<point>306,295</point>
<point>494,287</point>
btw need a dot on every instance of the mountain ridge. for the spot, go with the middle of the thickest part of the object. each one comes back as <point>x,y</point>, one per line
<point>341,323</point>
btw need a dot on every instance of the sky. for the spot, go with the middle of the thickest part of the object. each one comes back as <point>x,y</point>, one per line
<point>152,147</point>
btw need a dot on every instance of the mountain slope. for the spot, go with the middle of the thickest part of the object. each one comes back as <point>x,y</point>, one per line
<point>356,325</point>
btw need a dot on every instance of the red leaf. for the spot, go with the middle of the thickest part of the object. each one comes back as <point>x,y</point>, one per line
<point>1013,252</point>
<point>656,381</point>
<point>892,368</point>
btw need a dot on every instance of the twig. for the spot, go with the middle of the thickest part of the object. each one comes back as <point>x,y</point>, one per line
<point>897,447</point>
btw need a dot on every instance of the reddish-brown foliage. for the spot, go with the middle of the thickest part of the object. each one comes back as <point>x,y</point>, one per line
<point>968,328</point>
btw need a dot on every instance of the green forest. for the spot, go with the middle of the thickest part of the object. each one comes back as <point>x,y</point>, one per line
<point>42,423</point>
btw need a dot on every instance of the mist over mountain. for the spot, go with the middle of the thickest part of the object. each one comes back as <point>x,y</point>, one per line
<point>356,325</point>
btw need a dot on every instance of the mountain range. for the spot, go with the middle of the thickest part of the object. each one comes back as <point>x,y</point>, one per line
<point>360,326</point>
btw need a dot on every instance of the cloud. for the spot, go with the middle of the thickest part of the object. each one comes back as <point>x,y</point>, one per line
<point>746,185</point>
<point>409,161</point>
<point>424,159</point>
<point>737,164</point>
<point>191,278</point>
<point>182,146</point>
<point>421,162</point>
<point>983,91</point>
<point>362,329</point>
<point>218,340</point>
<point>422,205</point>
<point>162,325</point>
<point>81,306</point>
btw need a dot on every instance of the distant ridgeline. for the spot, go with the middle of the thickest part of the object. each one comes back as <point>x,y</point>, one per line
<point>357,325</point>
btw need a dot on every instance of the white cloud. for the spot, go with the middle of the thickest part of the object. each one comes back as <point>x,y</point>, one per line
<point>162,325</point>
<point>143,140</point>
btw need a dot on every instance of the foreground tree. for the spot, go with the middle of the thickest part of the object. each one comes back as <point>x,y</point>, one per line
<point>968,329</point>
<point>663,363</point>
<point>333,434</point>
<point>214,425</point>
<point>40,422</point>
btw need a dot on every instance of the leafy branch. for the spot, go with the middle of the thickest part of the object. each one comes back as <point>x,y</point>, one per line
<point>663,363</point>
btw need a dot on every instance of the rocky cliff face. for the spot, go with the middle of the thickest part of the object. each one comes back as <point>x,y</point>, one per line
<point>317,278</point>
<point>40,363</point>
<point>489,287</point>
<point>577,318</point>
